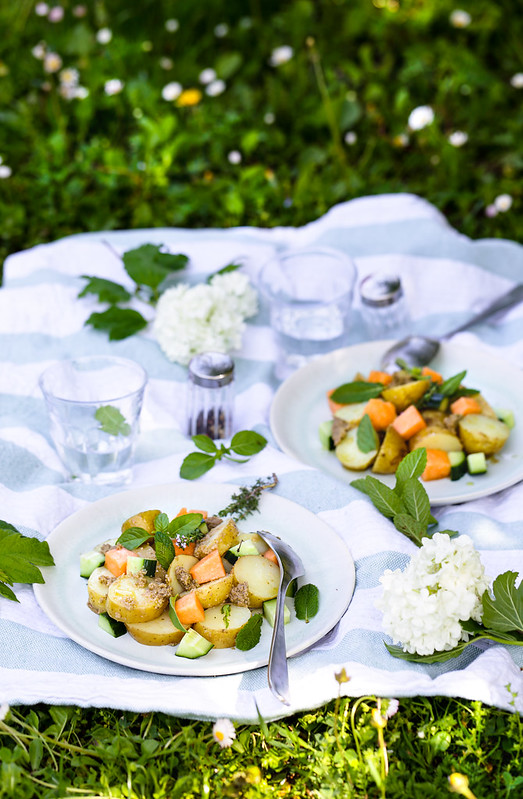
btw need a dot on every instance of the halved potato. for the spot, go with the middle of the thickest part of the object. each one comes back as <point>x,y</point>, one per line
<point>435,437</point>
<point>221,628</point>
<point>350,455</point>
<point>215,592</point>
<point>352,413</point>
<point>405,395</point>
<point>143,519</point>
<point>185,561</point>
<point>486,408</point>
<point>393,449</point>
<point>481,433</point>
<point>158,632</point>
<point>98,587</point>
<point>132,599</point>
<point>261,575</point>
<point>222,538</point>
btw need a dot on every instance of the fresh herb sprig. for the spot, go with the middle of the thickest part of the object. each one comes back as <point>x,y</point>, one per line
<point>183,529</point>
<point>20,558</point>
<point>245,443</point>
<point>247,499</point>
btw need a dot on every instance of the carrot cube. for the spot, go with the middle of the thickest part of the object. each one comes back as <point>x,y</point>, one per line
<point>203,512</point>
<point>116,560</point>
<point>189,609</point>
<point>380,412</point>
<point>208,568</point>
<point>375,376</point>
<point>270,554</point>
<point>465,405</point>
<point>181,512</point>
<point>434,376</point>
<point>438,465</point>
<point>334,406</point>
<point>188,549</point>
<point>409,422</point>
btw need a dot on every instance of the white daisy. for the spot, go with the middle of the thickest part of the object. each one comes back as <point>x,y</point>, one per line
<point>223,732</point>
<point>280,55</point>
<point>420,117</point>
<point>113,86</point>
<point>171,91</point>
<point>104,35</point>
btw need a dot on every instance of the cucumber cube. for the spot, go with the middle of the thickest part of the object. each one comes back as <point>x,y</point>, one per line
<point>477,463</point>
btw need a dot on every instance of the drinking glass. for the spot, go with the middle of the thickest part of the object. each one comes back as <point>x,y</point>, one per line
<point>309,292</point>
<point>94,405</point>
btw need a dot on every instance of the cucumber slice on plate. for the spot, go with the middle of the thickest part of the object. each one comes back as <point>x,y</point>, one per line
<point>458,465</point>
<point>325,434</point>
<point>111,626</point>
<point>137,564</point>
<point>89,561</point>
<point>193,645</point>
<point>507,416</point>
<point>269,611</point>
<point>477,463</point>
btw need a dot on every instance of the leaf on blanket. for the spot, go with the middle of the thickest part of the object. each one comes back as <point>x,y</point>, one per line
<point>149,266</point>
<point>504,611</point>
<point>20,557</point>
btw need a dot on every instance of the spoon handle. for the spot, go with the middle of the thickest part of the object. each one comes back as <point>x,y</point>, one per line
<point>508,300</point>
<point>277,671</point>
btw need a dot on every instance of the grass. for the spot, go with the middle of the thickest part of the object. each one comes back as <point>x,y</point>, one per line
<point>279,145</point>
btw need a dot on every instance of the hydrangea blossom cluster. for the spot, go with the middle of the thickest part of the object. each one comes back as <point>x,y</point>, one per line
<point>424,605</point>
<point>206,317</point>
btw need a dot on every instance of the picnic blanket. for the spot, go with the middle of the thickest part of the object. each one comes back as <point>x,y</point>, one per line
<point>446,277</point>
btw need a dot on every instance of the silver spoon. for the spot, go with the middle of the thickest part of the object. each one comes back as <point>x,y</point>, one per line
<point>290,568</point>
<point>420,350</point>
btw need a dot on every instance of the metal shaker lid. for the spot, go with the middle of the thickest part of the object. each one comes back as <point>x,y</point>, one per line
<point>380,289</point>
<point>211,369</point>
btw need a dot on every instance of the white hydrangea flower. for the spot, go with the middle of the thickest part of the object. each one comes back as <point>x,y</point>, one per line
<point>458,138</point>
<point>460,18</point>
<point>517,80</point>
<point>280,55</point>
<point>215,88</point>
<point>223,732</point>
<point>420,117</point>
<point>171,91</point>
<point>424,605</point>
<point>207,75</point>
<point>503,202</point>
<point>113,86</point>
<point>52,62</point>
<point>104,36</point>
<point>208,316</point>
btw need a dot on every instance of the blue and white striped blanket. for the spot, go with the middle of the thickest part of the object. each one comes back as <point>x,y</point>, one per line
<point>446,277</point>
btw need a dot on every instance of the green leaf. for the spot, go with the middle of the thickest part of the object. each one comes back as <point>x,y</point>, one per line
<point>118,323</point>
<point>436,657</point>
<point>196,464</point>
<point>112,421</point>
<point>247,442</point>
<point>20,557</point>
<point>133,538</point>
<point>416,500</point>
<point>250,633</point>
<point>224,270</point>
<point>451,385</point>
<point>205,443</point>
<point>306,602</point>
<point>383,498</point>
<point>183,526</point>
<point>366,436</point>
<point>412,465</point>
<point>105,290</point>
<point>410,527</point>
<point>164,549</point>
<point>174,616</point>
<point>149,266</point>
<point>7,593</point>
<point>161,522</point>
<point>504,611</point>
<point>357,391</point>
<point>226,613</point>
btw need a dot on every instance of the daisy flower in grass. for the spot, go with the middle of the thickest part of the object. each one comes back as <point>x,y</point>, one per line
<point>223,732</point>
<point>458,138</point>
<point>215,88</point>
<point>104,36</point>
<point>4,710</point>
<point>52,62</point>
<point>113,86</point>
<point>171,91</point>
<point>460,18</point>
<point>503,203</point>
<point>517,80</point>
<point>420,117</point>
<point>280,55</point>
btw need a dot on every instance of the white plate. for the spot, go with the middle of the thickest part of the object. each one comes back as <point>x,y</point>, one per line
<point>300,405</point>
<point>63,596</point>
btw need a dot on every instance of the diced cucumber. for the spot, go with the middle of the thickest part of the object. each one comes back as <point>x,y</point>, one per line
<point>137,564</point>
<point>477,463</point>
<point>269,611</point>
<point>433,401</point>
<point>193,645</point>
<point>111,626</point>
<point>507,416</point>
<point>245,547</point>
<point>325,434</point>
<point>90,561</point>
<point>458,465</point>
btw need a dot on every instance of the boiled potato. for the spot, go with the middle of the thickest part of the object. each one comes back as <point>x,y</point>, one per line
<point>215,592</point>
<point>393,449</point>
<point>131,599</point>
<point>405,395</point>
<point>185,561</point>
<point>435,437</point>
<point>352,413</point>
<point>433,417</point>
<point>158,632</point>
<point>486,409</point>
<point>221,628</point>
<point>481,433</point>
<point>261,575</point>
<point>222,538</point>
<point>350,455</point>
<point>98,588</point>
<point>143,519</point>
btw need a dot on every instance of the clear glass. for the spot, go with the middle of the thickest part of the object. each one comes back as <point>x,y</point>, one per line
<point>310,298</point>
<point>94,406</point>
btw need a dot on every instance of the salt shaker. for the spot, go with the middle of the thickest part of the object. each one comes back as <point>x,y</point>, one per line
<point>383,305</point>
<point>210,395</point>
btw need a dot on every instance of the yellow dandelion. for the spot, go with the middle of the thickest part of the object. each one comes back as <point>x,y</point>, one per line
<point>189,97</point>
<point>459,784</point>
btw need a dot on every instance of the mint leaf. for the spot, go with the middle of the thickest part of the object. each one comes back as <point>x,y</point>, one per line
<point>174,616</point>
<point>20,557</point>
<point>383,498</point>
<point>133,538</point>
<point>410,527</point>
<point>451,385</point>
<point>412,465</point>
<point>436,657</point>
<point>149,266</point>
<point>196,464</point>
<point>7,593</point>
<point>416,501</point>
<point>105,290</point>
<point>247,442</point>
<point>112,421</point>
<point>161,522</point>
<point>182,527</point>
<point>250,633</point>
<point>504,611</point>
<point>119,323</point>
<point>306,602</point>
<point>357,391</point>
<point>229,268</point>
<point>164,549</point>
<point>366,436</point>
<point>205,443</point>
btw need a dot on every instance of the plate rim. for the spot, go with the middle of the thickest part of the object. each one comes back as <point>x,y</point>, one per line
<point>288,388</point>
<point>190,668</point>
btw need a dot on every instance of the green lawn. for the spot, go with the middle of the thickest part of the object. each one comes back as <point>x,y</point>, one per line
<point>111,119</point>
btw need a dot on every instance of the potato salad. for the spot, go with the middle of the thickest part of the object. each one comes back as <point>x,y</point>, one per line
<point>377,420</point>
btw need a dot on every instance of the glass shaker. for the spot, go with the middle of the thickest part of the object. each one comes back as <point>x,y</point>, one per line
<point>210,395</point>
<point>383,306</point>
